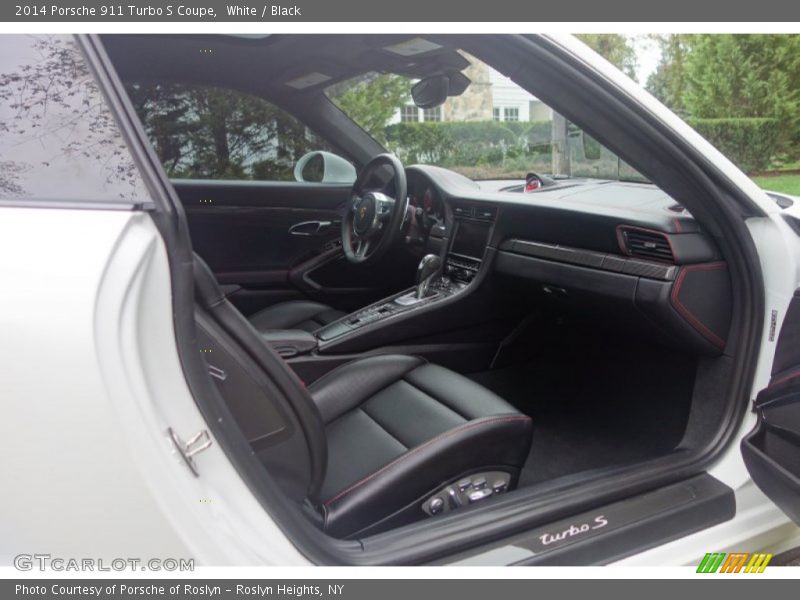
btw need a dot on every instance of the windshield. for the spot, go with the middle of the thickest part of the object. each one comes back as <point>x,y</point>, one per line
<point>495,129</point>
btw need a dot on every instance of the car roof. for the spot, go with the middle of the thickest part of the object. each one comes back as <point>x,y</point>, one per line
<point>278,65</point>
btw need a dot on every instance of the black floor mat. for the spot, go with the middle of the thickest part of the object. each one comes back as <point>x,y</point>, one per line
<point>597,404</point>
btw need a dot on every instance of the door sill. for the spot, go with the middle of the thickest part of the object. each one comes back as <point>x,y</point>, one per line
<point>616,530</point>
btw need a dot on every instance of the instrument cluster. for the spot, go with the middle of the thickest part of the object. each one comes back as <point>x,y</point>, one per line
<point>425,202</point>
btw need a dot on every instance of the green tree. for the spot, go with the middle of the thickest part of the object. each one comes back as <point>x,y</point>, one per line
<point>372,100</point>
<point>668,81</point>
<point>744,76</point>
<point>207,132</point>
<point>615,48</point>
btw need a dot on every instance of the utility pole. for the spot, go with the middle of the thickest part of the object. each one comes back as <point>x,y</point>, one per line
<point>560,147</point>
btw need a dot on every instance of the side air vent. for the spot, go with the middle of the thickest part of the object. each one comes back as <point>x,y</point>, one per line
<point>647,244</point>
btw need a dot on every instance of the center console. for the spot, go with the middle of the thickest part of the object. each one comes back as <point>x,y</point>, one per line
<point>439,289</point>
<point>469,238</point>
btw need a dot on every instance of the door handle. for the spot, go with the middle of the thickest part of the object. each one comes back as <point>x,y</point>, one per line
<point>308,228</point>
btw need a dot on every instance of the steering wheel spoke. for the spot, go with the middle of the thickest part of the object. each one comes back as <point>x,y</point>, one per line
<point>385,207</point>
<point>362,247</point>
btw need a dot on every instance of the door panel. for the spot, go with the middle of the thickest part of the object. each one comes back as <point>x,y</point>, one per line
<point>251,244</point>
<point>266,240</point>
<point>772,450</point>
<point>244,227</point>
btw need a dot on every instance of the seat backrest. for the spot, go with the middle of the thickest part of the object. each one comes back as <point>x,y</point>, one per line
<point>265,397</point>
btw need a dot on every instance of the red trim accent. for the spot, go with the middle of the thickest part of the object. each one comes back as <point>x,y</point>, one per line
<point>403,457</point>
<point>624,247</point>
<point>678,225</point>
<point>533,185</point>
<point>685,312</point>
<point>784,379</point>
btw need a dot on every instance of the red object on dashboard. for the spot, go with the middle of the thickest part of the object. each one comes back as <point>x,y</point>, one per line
<point>532,183</point>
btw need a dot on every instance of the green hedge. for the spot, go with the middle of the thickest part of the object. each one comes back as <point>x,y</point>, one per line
<point>471,143</point>
<point>495,149</point>
<point>750,143</point>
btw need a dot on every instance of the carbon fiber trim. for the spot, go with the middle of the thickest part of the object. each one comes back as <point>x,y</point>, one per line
<point>592,259</point>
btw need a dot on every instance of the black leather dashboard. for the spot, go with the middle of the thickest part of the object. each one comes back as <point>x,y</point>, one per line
<point>623,252</point>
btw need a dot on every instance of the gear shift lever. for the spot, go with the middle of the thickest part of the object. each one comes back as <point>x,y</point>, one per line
<point>428,267</point>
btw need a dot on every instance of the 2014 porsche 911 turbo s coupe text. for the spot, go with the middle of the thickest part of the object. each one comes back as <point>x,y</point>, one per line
<point>383,299</point>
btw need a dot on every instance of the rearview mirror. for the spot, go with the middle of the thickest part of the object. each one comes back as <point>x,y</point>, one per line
<point>432,91</point>
<point>323,167</point>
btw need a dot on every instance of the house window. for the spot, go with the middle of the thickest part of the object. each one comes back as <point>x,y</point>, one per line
<point>409,114</point>
<point>505,113</point>
<point>432,114</point>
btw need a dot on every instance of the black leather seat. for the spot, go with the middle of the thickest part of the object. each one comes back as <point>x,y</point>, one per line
<point>369,442</point>
<point>295,314</point>
<point>398,429</point>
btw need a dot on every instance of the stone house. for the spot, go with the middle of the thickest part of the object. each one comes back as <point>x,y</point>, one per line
<point>491,95</point>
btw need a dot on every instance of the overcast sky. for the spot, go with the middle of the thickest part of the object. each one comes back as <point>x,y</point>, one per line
<point>647,56</point>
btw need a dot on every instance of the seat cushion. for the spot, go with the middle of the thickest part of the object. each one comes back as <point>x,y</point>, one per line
<point>399,429</point>
<point>295,314</point>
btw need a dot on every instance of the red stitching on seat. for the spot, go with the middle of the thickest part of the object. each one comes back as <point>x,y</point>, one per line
<point>685,312</point>
<point>403,457</point>
<point>784,379</point>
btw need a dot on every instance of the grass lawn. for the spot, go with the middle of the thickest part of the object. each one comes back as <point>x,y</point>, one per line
<point>788,184</point>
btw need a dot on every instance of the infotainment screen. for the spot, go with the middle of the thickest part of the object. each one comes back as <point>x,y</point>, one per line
<point>471,239</point>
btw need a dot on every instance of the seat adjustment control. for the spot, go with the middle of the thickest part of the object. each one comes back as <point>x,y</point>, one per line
<point>499,485</point>
<point>466,491</point>
<point>478,495</point>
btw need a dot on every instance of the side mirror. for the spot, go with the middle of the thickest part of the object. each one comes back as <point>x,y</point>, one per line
<point>432,91</point>
<point>323,167</point>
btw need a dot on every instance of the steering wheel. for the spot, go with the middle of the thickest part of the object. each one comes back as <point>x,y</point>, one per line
<point>373,220</point>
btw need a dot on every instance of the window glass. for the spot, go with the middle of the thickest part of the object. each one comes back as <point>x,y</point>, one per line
<point>495,129</point>
<point>58,140</point>
<point>409,114</point>
<point>432,114</point>
<point>201,132</point>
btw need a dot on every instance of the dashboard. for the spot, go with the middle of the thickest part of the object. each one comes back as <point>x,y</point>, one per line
<point>623,257</point>
<point>623,253</point>
<point>632,220</point>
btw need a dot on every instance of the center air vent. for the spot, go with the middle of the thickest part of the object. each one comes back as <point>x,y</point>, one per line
<point>644,243</point>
